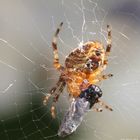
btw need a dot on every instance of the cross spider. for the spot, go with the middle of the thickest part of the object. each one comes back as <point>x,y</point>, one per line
<point>85,63</point>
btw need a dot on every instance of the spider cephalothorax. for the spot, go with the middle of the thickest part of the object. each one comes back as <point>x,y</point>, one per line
<point>86,62</point>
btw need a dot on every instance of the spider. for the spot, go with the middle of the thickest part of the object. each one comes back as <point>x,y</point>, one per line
<point>85,63</point>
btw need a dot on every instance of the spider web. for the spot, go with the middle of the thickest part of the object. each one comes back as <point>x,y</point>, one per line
<point>27,73</point>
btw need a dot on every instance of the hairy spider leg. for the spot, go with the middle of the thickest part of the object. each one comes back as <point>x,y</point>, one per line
<point>109,45</point>
<point>52,91</point>
<point>109,40</point>
<point>56,96</point>
<point>57,65</point>
<point>55,92</point>
<point>102,103</point>
<point>104,77</point>
<point>100,77</point>
<point>97,109</point>
<point>59,88</point>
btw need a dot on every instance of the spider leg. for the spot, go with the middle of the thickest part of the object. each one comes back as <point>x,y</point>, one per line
<point>59,91</point>
<point>53,111</point>
<point>97,109</point>
<point>109,45</point>
<point>105,76</point>
<point>57,65</point>
<point>55,99</point>
<point>58,88</point>
<point>55,93</point>
<point>100,78</point>
<point>104,105</point>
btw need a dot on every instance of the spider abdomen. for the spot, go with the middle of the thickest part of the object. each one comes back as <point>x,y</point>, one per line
<point>79,56</point>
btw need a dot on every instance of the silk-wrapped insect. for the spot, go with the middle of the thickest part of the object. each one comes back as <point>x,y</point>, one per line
<point>78,109</point>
